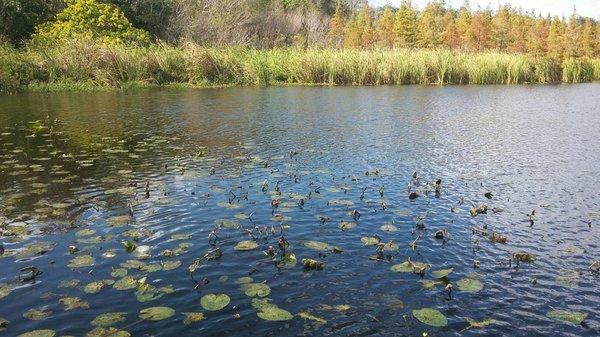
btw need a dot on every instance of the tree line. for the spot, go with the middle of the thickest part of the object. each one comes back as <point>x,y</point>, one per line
<point>324,23</point>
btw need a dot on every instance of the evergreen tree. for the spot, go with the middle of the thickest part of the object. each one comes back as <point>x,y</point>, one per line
<point>384,29</point>
<point>405,25</point>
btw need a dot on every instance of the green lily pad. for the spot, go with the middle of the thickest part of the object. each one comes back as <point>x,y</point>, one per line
<point>273,313</point>
<point>369,240</point>
<point>94,287</point>
<point>244,280</point>
<point>345,225</point>
<point>429,284</point>
<point>469,285</point>
<point>156,313</point>
<point>125,283</point>
<point>39,333</point>
<point>227,223</point>
<point>316,245</point>
<point>181,236</point>
<point>306,316</point>
<point>69,283</point>
<point>193,317</point>
<point>404,267</point>
<point>118,220</point>
<point>246,245</point>
<point>82,261</point>
<point>260,303</point>
<point>109,319</point>
<point>104,332</point>
<point>442,272</point>
<point>118,272</point>
<point>574,317</point>
<point>72,303</point>
<point>214,302</point>
<point>170,265</point>
<point>480,324</point>
<point>85,232</point>
<point>256,289</point>
<point>574,250</point>
<point>388,228</point>
<point>5,290</point>
<point>36,314</point>
<point>567,278</point>
<point>34,249</point>
<point>430,317</point>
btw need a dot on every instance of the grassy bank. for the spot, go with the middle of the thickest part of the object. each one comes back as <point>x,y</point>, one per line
<point>84,66</point>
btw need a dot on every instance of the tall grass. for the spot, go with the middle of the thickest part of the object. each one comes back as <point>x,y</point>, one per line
<point>84,64</point>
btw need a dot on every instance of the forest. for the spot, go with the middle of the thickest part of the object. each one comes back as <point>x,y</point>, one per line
<point>34,30</point>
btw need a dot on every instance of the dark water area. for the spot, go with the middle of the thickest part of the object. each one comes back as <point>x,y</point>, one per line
<point>216,158</point>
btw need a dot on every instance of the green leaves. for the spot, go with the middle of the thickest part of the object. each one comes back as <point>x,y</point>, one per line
<point>574,317</point>
<point>82,261</point>
<point>108,319</point>
<point>156,313</point>
<point>214,302</point>
<point>430,317</point>
<point>442,272</point>
<point>469,285</point>
<point>256,289</point>
<point>316,245</point>
<point>39,333</point>
<point>246,245</point>
<point>274,313</point>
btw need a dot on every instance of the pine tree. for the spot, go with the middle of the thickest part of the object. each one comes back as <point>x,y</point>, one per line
<point>385,28</point>
<point>555,38</point>
<point>429,27</point>
<point>335,35</point>
<point>500,29</point>
<point>405,25</point>
<point>572,41</point>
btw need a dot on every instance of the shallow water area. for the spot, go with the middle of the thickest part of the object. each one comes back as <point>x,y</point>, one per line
<point>113,196</point>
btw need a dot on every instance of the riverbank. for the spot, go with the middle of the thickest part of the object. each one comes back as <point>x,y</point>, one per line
<point>83,66</point>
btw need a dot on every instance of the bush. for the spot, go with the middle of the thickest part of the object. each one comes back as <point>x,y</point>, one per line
<point>90,20</point>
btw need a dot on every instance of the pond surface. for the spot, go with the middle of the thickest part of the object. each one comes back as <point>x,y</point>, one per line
<point>161,169</point>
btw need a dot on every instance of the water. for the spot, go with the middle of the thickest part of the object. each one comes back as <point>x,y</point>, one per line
<point>533,147</point>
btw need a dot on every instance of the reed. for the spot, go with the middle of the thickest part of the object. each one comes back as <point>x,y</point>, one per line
<point>79,65</point>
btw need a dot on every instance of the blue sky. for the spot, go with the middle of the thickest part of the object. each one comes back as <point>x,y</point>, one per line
<point>589,8</point>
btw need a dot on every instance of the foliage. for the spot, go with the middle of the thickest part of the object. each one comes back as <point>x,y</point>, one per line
<point>90,20</point>
<point>18,18</point>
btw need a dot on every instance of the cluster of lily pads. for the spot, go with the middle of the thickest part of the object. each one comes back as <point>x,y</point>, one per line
<point>126,236</point>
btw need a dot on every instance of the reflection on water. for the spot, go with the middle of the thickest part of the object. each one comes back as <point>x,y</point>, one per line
<point>162,168</point>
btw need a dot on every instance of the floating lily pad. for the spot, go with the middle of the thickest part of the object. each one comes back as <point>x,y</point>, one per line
<point>34,249</point>
<point>5,290</point>
<point>170,265</point>
<point>125,283</point>
<point>260,303</point>
<point>246,245</point>
<point>574,250</point>
<point>193,317</point>
<point>82,261</point>
<point>404,267</point>
<point>567,278</point>
<point>72,303</point>
<point>39,333</point>
<point>480,324</point>
<point>307,316</point>
<point>181,236</point>
<point>317,245</point>
<point>226,223</point>
<point>430,317</point>
<point>442,272</point>
<point>429,284</point>
<point>214,302</point>
<point>244,280</point>
<point>109,319</point>
<point>273,313</point>
<point>118,220</point>
<point>229,205</point>
<point>574,317</point>
<point>156,313</point>
<point>69,283</point>
<point>345,225</point>
<point>105,332</point>
<point>93,287</point>
<point>369,240</point>
<point>256,289</point>
<point>85,232</point>
<point>388,228</point>
<point>36,314</point>
<point>118,272</point>
<point>469,285</point>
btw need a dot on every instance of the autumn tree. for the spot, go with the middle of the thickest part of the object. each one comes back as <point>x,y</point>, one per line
<point>384,28</point>
<point>405,25</point>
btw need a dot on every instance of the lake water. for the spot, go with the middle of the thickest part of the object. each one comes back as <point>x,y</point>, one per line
<point>218,157</point>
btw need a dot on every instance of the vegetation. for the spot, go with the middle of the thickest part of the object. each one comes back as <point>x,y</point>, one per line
<point>94,43</point>
<point>83,63</point>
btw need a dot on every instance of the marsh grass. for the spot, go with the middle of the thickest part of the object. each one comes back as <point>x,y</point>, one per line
<point>77,65</point>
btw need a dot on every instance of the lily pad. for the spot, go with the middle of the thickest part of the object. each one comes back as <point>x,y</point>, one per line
<point>316,245</point>
<point>369,240</point>
<point>193,317</point>
<point>34,249</point>
<point>246,245</point>
<point>307,316</point>
<point>256,289</point>
<point>480,324</point>
<point>574,317</point>
<point>118,272</point>
<point>82,261</point>
<point>567,278</point>
<point>442,272</point>
<point>118,220</point>
<point>404,267</point>
<point>430,317</point>
<point>94,287</point>
<point>156,313</point>
<point>273,313</point>
<point>104,332</point>
<point>36,314</point>
<point>5,290</point>
<point>345,225</point>
<point>388,228</point>
<point>125,283</point>
<point>214,302</point>
<point>170,265</point>
<point>72,303</point>
<point>39,333</point>
<point>109,319</point>
<point>469,285</point>
<point>244,280</point>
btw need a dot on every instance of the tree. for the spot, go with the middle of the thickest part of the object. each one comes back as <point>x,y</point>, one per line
<point>572,41</point>
<point>90,20</point>
<point>405,25</point>
<point>18,18</point>
<point>429,25</point>
<point>451,35</point>
<point>359,30</point>
<point>384,29</point>
<point>335,35</point>
<point>150,15</point>
<point>589,40</point>
<point>480,28</point>
<point>555,38</point>
<point>500,28</point>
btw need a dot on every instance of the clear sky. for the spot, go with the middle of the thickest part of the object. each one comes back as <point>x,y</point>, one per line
<point>590,8</point>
